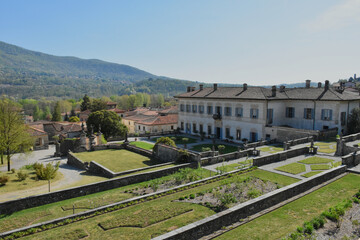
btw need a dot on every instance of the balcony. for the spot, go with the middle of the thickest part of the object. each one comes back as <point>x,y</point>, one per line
<point>217,116</point>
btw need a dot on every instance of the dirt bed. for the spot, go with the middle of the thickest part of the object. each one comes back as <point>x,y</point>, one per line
<point>347,228</point>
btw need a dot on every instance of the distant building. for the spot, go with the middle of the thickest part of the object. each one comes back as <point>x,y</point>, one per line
<point>41,138</point>
<point>255,113</point>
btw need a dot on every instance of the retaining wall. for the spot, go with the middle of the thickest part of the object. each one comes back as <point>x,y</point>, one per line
<point>165,153</point>
<point>215,222</point>
<point>226,157</point>
<point>280,156</point>
<point>141,151</point>
<point>38,200</point>
<point>352,137</point>
<point>351,159</point>
<point>76,162</point>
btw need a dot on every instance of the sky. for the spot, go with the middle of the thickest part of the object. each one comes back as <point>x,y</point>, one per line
<point>259,42</point>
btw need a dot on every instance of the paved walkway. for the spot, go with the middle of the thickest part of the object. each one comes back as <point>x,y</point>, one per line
<point>70,173</point>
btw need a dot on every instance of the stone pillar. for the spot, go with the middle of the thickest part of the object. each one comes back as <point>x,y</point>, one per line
<point>339,147</point>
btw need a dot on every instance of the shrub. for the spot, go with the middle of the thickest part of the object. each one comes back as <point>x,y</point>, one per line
<point>192,196</point>
<point>227,198</point>
<point>46,172</point>
<point>22,175</point>
<point>181,198</point>
<point>166,141</point>
<point>253,193</point>
<point>205,149</point>
<point>300,229</point>
<point>13,170</point>
<point>221,148</point>
<point>3,180</point>
<point>308,228</point>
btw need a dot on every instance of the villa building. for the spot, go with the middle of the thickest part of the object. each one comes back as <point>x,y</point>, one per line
<point>255,113</point>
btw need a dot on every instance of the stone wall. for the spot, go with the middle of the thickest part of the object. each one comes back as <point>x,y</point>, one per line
<point>227,157</point>
<point>351,138</point>
<point>38,200</point>
<point>301,141</point>
<point>215,222</point>
<point>165,153</point>
<point>351,159</point>
<point>280,156</point>
<point>99,169</point>
<point>283,134</point>
<point>260,143</point>
<point>141,151</point>
<point>76,162</point>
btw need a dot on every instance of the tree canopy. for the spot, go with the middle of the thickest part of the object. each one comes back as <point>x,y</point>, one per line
<point>56,115</point>
<point>109,122</point>
<point>14,137</point>
<point>354,121</point>
<point>85,105</point>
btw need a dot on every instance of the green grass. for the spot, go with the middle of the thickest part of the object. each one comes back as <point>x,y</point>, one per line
<point>117,160</point>
<point>72,235</point>
<point>14,184</point>
<point>316,160</point>
<point>271,149</point>
<point>228,148</point>
<point>310,174</point>
<point>293,168</point>
<point>234,166</point>
<point>143,145</point>
<point>280,222</point>
<point>320,167</point>
<point>179,139</point>
<point>153,211</point>
<point>145,217</point>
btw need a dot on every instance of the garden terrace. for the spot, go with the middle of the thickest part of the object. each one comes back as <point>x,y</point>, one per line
<point>284,220</point>
<point>179,139</point>
<point>227,149</point>
<point>187,213</point>
<point>143,145</point>
<point>116,160</point>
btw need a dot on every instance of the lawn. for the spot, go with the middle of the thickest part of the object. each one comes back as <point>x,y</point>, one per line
<point>310,174</point>
<point>30,182</point>
<point>143,145</point>
<point>271,149</point>
<point>149,219</point>
<point>116,160</point>
<point>293,168</point>
<point>234,166</point>
<point>280,222</point>
<point>179,139</point>
<point>320,167</point>
<point>228,148</point>
<point>316,160</point>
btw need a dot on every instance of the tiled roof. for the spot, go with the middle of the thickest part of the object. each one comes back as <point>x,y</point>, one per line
<point>36,132</point>
<point>160,120</point>
<point>260,93</point>
<point>169,110</point>
<point>116,110</point>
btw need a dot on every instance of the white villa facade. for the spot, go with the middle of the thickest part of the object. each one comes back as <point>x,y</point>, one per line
<point>252,113</point>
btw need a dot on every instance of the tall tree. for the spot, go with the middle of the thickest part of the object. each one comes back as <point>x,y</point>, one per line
<point>72,113</point>
<point>354,121</point>
<point>86,104</point>
<point>56,115</point>
<point>109,122</point>
<point>37,113</point>
<point>14,135</point>
<point>97,105</point>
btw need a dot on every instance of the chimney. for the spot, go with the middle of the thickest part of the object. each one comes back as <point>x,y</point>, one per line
<point>245,87</point>
<point>188,89</point>
<point>319,84</point>
<point>201,86</point>
<point>192,89</point>
<point>282,88</point>
<point>327,84</point>
<point>307,85</point>
<point>273,91</point>
<point>215,86</point>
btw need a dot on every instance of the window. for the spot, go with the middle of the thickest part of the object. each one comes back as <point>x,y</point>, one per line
<point>227,132</point>
<point>254,113</point>
<point>182,125</point>
<point>343,118</point>
<point>187,108</point>
<point>139,127</point>
<point>201,128</point>
<point>144,127</point>
<point>188,127</point>
<point>270,116</point>
<point>308,113</point>
<point>172,127</point>
<point>326,114</point>
<point>290,112</point>
<point>209,110</point>
<point>239,112</point>
<point>182,107</point>
<point>194,108</point>
<point>201,108</point>
<point>238,134</point>
<point>253,137</point>
<point>227,111</point>
<point>194,128</point>
<point>209,130</point>
<point>218,110</point>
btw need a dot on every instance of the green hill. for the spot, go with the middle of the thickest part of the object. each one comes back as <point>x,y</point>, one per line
<point>30,74</point>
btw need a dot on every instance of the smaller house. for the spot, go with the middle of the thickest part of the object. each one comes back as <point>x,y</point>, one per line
<point>41,138</point>
<point>84,115</point>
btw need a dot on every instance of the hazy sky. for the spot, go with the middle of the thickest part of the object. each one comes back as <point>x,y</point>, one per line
<point>254,41</point>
